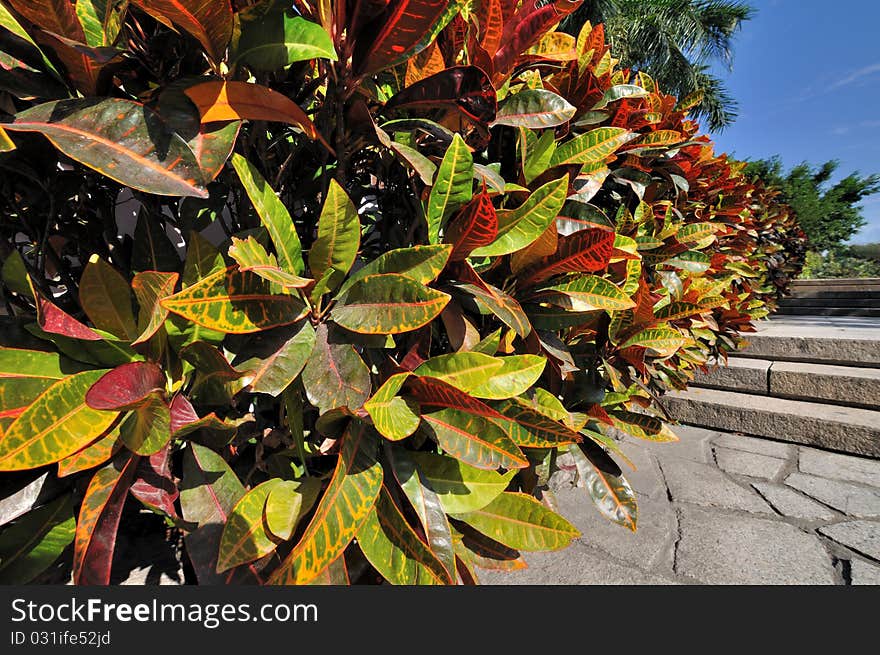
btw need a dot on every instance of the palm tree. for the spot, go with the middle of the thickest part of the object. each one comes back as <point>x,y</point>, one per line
<point>674,41</point>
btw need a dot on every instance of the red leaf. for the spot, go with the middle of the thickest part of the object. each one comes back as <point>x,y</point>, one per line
<point>465,88</point>
<point>209,21</point>
<point>523,30</point>
<point>585,251</point>
<point>476,225</point>
<point>126,386</point>
<point>432,392</point>
<point>54,320</point>
<point>401,28</point>
<point>99,520</point>
<point>154,485</point>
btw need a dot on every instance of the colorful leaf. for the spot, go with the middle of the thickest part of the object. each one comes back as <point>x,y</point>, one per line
<point>342,510</point>
<point>118,138</point>
<point>106,299</point>
<point>393,417</point>
<point>535,109</point>
<point>335,375</point>
<point>251,256</point>
<point>523,225</point>
<point>98,522</point>
<point>518,373</point>
<point>476,225</point>
<point>339,238</point>
<point>245,537</point>
<point>529,428</point>
<point>288,354</point>
<point>276,39</point>
<point>235,302</point>
<point>209,21</point>
<point>592,147</point>
<point>608,489</point>
<point>420,263</point>
<point>461,488</point>
<point>465,370</point>
<point>453,186</point>
<point>126,386</point>
<point>585,251</point>
<point>473,439</point>
<point>585,293</point>
<point>57,424</point>
<point>388,304</point>
<point>395,550</point>
<point>149,288</point>
<point>521,522</point>
<point>273,215</point>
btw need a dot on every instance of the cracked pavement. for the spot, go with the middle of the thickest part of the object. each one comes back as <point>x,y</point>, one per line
<point>721,508</point>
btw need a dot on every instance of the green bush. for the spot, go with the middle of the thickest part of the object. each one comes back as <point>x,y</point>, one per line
<point>383,266</point>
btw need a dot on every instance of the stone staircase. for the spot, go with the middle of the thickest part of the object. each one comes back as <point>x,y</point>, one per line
<point>812,380</point>
<point>843,297</point>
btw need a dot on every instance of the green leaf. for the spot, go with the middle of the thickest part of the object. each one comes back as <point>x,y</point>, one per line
<point>100,20</point>
<point>339,238</point>
<point>501,304</point>
<point>465,370</point>
<point>529,428</point>
<point>420,263</point>
<point>274,373</point>
<point>57,424</point>
<point>202,260</point>
<point>453,186</point>
<point>522,226</point>
<point>662,341</point>
<point>149,288</point>
<point>273,215</point>
<point>147,429</point>
<point>106,299</point>
<point>235,302</point>
<point>618,92</point>
<point>278,38</point>
<point>593,147</point>
<point>642,426</point>
<point>28,373</point>
<point>585,293</point>
<point>428,507</point>
<point>250,255</point>
<point>473,439</point>
<point>33,542</point>
<point>118,138</point>
<point>522,522</point>
<point>343,509</point>
<point>335,375</point>
<point>209,490</point>
<point>534,108</point>
<point>15,275</point>
<point>516,376</point>
<point>245,537</point>
<point>393,417</point>
<point>461,488</point>
<point>611,493</point>
<point>538,156</point>
<point>388,304</point>
<point>287,502</point>
<point>395,550</point>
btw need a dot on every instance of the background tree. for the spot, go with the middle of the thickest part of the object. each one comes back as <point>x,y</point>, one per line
<point>674,41</point>
<point>829,213</point>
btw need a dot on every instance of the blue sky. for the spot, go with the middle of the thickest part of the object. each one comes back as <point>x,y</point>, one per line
<point>806,74</point>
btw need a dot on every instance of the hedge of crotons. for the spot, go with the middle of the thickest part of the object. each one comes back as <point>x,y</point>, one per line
<point>328,287</point>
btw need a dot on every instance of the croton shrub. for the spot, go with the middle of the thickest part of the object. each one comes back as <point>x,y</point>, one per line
<point>325,288</point>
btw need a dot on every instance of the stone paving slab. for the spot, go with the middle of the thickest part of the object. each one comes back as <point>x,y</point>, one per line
<point>749,464</point>
<point>789,502</point>
<point>733,549</point>
<point>861,536</point>
<point>863,573</point>
<point>841,467</point>
<point>852,499</point>
<point>700,524</point>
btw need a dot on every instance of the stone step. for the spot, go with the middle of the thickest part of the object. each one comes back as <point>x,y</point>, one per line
<point>845,429</point>
<point>825,294</point>
<point>830,311</point>
<point>838,283</point>
<point>847,341</point>
<point>798,301</point>
<point>851,386</point>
